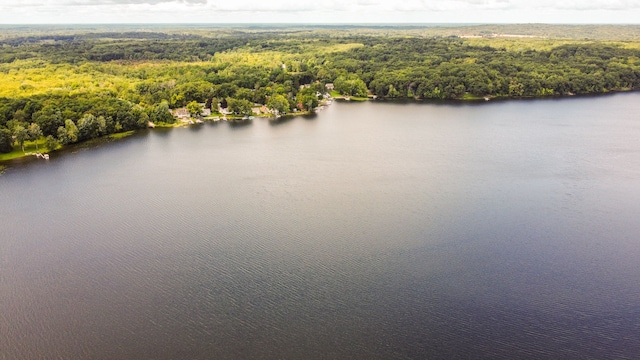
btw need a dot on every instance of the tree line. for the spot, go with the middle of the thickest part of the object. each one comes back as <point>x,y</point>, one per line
<point>113,82</point>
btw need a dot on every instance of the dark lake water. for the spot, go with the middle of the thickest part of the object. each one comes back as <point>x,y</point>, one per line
<point>497,230</point>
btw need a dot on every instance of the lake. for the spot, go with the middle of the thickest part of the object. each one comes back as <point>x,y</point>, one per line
<point>372,230</point>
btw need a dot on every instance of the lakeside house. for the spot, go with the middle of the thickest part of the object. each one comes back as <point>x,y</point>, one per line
<point>260,109</point>
<point>223,111</point>
<point>329,87</point>
<point>205,110</point>
<point>181,113</point>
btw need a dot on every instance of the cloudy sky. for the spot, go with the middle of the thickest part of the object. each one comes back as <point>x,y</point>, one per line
<point>319,11</point>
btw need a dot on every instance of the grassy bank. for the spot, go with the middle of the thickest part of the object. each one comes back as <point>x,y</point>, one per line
<point>29,150</point>
<point>30,147</point>
<point>121,135</point>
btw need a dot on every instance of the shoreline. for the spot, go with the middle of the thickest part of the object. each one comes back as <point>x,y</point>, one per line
<point>30,150</point>
<point>477,98</point>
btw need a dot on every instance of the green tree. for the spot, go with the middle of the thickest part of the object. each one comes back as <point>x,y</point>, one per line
<point>51,143</point>
<point>351,85</point>
<point>90,127</point>
<point>307,99</point>
<point>393,93</point>
<point>48,118</point>
<point>178,100</point>
<point>279,103</point>
<point>224,90</point>
<point>194,109</point>
<point>198,91</point>
<point>21,135</point>
<point>239,106</point>
<point>141,116</point>
<point>159,113</point>
<point>20,116</point>
<point>34,133</point>
<point>62,135</point>
<point>71,130</point>
<point>6,141</point>
<point>243,93</point>
<point>143,120</point>
<point>259,96</point>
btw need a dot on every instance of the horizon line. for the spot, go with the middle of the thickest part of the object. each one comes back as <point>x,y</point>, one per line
<point>312,24</point>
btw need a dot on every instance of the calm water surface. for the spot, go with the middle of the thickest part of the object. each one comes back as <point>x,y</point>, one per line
<point>372,230</point>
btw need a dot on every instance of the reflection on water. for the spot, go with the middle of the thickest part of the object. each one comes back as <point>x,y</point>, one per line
<point>239,123</point>
<point>281,120</point>
<point>377,230</point>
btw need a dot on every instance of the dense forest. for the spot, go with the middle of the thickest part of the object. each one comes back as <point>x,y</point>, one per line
<point>67,87</point>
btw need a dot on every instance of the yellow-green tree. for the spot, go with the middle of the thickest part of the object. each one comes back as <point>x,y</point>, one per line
<point>279,103</point>
<point>194,109</point>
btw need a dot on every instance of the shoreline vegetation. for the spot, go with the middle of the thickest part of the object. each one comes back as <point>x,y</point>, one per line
<point>62,86</point>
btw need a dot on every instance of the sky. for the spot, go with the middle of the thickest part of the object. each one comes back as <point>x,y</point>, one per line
<point>319,11</point>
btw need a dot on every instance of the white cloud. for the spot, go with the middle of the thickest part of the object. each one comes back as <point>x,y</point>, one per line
<point>598,5</point>
<point>324,11</point>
